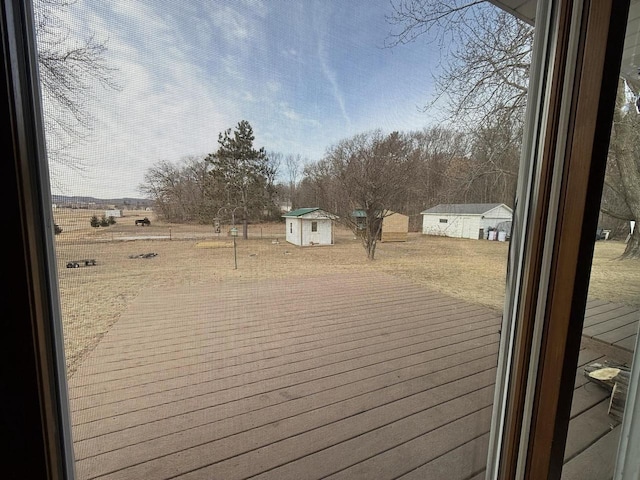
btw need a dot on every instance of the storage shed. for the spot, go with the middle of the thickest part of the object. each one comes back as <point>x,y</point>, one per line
<point>395,226</point>
<point>309,226</point>
<point>465,220</point>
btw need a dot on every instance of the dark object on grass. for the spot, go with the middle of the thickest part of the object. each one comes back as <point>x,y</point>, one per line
<point>145,222</point>
<point>144,255</point>
<point>77,263</point>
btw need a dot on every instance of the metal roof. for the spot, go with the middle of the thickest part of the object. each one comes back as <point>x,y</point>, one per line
<point>463,208</point>
<point>363,213</point>
<point>300,211</point>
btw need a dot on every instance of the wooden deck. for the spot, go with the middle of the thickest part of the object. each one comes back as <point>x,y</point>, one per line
<point>332,377</point>
<point>611,328</point>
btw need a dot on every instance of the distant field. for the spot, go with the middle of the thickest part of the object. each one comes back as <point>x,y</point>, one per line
<point>94,297</point>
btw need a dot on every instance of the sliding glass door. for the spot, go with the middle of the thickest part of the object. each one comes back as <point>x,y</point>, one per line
<point>560,338</point>
<point>566,381</point>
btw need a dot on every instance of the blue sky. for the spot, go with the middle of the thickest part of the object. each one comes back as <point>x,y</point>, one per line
<point>305,74</point>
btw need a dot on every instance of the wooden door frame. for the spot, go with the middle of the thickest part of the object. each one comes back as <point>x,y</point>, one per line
<point>35,421</point>
<point>583,50</point>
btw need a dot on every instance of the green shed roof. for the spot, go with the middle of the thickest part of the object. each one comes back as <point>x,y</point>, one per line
<point>300,212</point>
<point>363,214</point>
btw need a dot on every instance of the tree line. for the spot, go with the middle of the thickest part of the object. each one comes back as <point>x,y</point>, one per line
<point>373,171</point>
<point>483,77</point>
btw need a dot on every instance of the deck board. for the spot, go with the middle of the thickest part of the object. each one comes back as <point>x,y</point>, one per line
<point>425,448</point>
<point>627,316</point>
<point>612,324</point>
<point>628,343</point>
<point>596,462</point>
<point>594,423</point>
<point>347,376</point>
<point>351,340</point>
<point>293,417</point>
<point>458,463</point>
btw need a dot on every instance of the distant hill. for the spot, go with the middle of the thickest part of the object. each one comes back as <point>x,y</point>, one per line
<point>92,202</point>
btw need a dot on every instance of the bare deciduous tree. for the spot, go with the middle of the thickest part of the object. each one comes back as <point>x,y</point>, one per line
<point>371,172</point>
<point>181,191</point>
<point>485,56</point>
<point>70,68</point>
<point>481,87</point>
<point>293,168</point>
<point>317,187</point>
<point>623,179</point>
<point>446,166</point>
<point>438,149</point>
<point>483,77</point>
<point>494,160</point>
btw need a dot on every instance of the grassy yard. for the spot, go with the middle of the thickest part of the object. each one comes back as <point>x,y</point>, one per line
<point>94,297</point>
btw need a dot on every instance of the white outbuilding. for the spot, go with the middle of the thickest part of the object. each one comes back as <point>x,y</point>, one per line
<point>113,213</point>
<point>467,220</point>
<point>309,226</point>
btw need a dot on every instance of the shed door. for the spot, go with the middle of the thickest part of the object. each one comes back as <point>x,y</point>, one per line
<point>466,227</point>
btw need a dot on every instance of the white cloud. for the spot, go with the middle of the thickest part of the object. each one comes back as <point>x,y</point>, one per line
<point>138,17</point>
<point>273,86</point>
<point>190,70</point>
<point>232,25</point>
<point>232,66</point>
<point>290,114</point>
<point>257,7</point>
<point>290,52</point>
<point>168,107</point>
<point>331,77</point>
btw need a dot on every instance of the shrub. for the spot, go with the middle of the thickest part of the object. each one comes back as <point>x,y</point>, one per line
<point>57,228</point>
<point>94,222</point>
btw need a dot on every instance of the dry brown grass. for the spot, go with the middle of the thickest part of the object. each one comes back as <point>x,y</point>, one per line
<point>93,298</point>
<point>613,279</point>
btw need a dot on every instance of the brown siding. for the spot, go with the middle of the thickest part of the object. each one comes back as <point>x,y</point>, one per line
<point>395,228</point>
